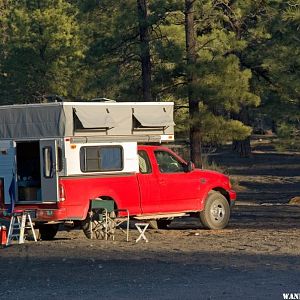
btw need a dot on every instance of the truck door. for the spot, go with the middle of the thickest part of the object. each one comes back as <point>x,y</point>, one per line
<point>8,170</point>
<point>149,189</point>
<point>49,176</point>
<point>179,190</point>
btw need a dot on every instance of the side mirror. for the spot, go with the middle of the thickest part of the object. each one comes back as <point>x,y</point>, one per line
<point>190,166</point>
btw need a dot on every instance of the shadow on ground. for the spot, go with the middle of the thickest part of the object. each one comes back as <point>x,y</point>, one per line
<point>267,177</point>
<point>201,275</point>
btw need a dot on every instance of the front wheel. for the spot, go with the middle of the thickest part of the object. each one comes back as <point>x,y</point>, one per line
<point>159,224</point>
<point>216,212</point>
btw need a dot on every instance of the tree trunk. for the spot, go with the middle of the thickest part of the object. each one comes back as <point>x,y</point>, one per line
<point>145,49</point>
<point>194,112</point>
<point>243,147</point>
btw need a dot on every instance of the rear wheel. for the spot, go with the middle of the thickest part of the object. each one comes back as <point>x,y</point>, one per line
<point>48,231</point>
<point>216,212</point>
<point>94,225</point>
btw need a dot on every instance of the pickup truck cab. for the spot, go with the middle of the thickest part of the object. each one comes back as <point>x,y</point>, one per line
<point>165,187</point>
<point>169,185</point>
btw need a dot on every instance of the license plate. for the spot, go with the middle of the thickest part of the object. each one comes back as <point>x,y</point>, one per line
<point>32,214</point>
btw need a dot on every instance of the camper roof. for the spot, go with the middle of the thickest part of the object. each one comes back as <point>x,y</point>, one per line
<point>129,120</point>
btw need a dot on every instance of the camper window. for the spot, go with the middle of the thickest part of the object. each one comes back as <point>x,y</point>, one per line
<point>101,158</point>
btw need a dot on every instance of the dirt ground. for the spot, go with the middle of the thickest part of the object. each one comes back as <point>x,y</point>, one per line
<point>256,257</point>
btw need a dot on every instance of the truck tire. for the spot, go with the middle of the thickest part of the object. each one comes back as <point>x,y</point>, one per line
<point>163,223</point>
<point>216,212</point>
<point>47,232</point>
<point>93,228</point>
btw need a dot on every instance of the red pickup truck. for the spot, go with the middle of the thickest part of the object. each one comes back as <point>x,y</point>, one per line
<point>164,187</point>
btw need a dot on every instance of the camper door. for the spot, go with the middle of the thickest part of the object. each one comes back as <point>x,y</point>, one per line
<point>8,170</point>
<point>49,176</point>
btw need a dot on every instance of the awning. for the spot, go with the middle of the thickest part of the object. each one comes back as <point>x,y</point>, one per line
<point>154,116</point>
<point>93,117</point>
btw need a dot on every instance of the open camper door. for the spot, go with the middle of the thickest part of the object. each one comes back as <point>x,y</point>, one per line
<point>49,176</point>
<point>8,170</point>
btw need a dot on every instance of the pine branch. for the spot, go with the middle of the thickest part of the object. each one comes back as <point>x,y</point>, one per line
<point>171,87</point>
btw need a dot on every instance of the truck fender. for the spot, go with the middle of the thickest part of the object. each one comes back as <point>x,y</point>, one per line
<point>216,188</point>
<point>88,204</point>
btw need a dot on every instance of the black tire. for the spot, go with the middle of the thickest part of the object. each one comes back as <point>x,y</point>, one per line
<point>47,232</point>
<point>216,212</point>
<point>92,227</point>
<point>159,224</point>
<point>163,223</point>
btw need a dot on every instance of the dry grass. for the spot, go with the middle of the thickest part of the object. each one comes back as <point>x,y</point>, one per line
<point>295,201</point>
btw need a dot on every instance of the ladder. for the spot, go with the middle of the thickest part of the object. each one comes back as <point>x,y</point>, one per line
<point>17,226</point>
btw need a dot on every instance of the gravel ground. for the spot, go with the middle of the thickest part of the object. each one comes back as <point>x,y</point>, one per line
<point>257,257</point>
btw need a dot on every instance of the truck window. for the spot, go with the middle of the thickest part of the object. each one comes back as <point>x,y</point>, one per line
<point>101,158</point>
<point>59,160</point>
<point>168,163</point>
<point>1,192</point>
<point>144,162</point>
<point>48,162</point>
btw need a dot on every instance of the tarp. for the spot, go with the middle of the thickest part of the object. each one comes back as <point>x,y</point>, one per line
<point>94,117</point>
<point>154,116</point>
<point>31,121</point>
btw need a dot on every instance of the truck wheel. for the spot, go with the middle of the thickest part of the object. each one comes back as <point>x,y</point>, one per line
<point>48,231</point>
<point>216,212</point>
<point>93,227</point>
<point>163,223</point>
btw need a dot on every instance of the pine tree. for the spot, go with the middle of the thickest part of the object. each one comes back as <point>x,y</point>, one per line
<point>112,64</point>
<point>221,86</point>
<point>192,78</point>
<point>273,57</point>
<point>117,52</point>
<point>42,49</point>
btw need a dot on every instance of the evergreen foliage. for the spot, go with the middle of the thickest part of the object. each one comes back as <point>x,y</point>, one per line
<point>247,56</point>
<point>42,48</point>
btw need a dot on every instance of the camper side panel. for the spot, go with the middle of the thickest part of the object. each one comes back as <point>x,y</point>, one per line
<point>74,153</point>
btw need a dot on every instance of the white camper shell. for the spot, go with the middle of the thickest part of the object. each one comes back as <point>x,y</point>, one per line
<point>41,142</point>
